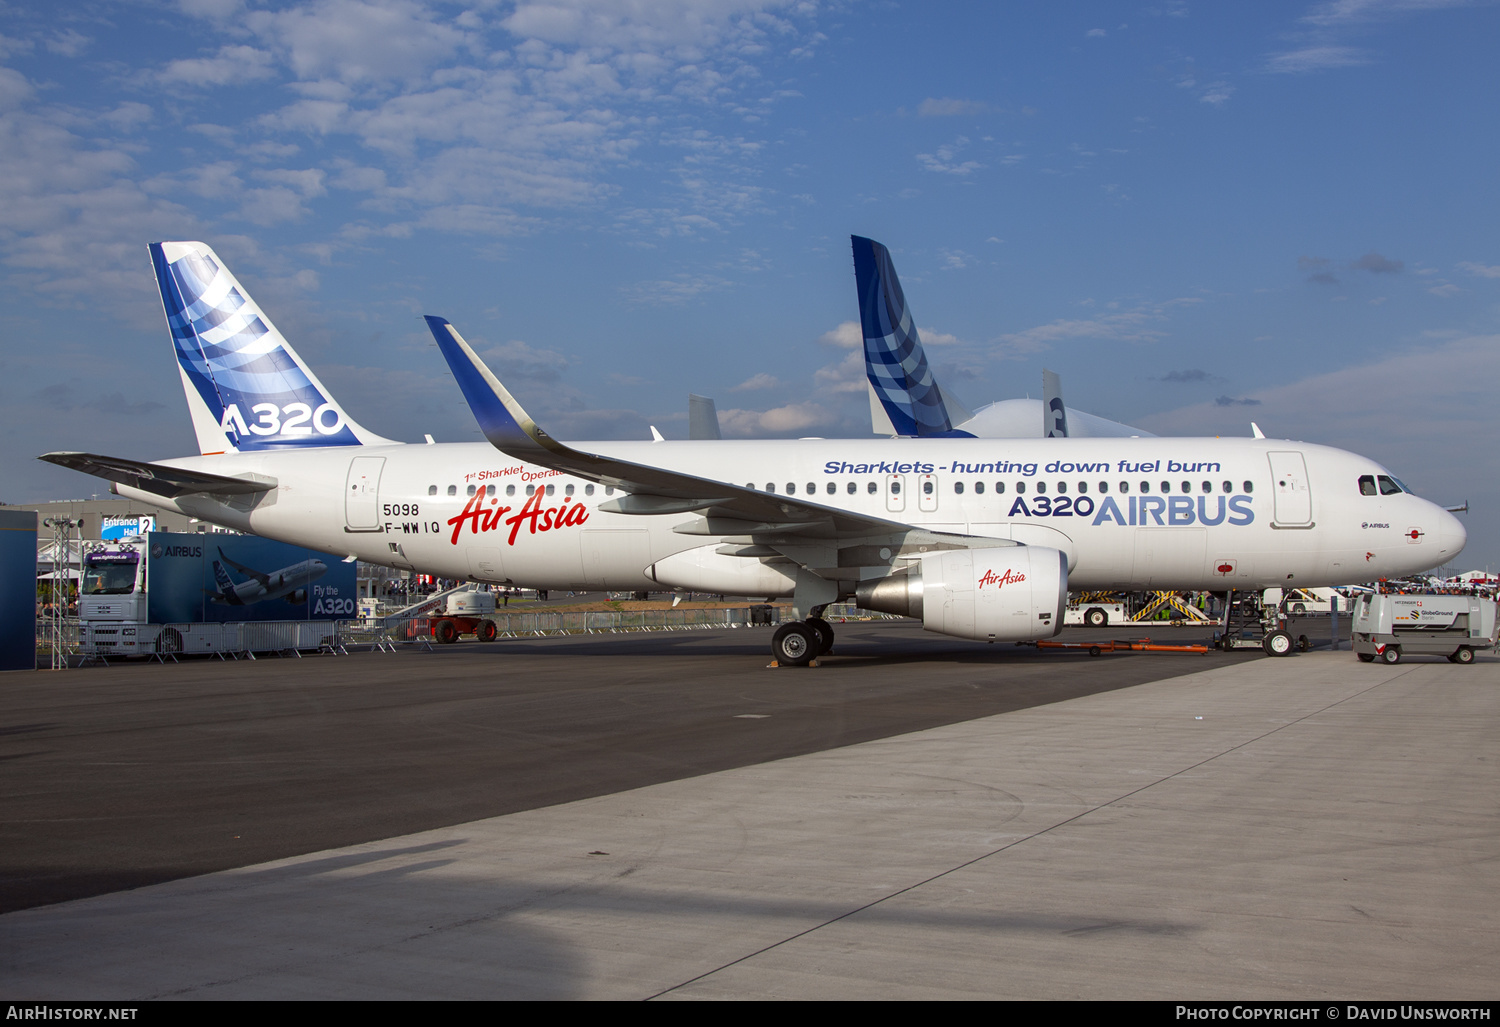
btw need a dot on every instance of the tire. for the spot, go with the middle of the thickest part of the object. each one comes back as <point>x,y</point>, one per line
<point>169,641</point>
<point>445,631</point>
<point>1300,609</point>
<point>486,632</point>
<point>1304,644</point>
<point>1366,657</point>
<point>1094,650</point>
<point>1463,655</point>
<point>824,632</point>
<point>794,645</point>
<point>1096,618</point>
<point>1391,654</point>
<point>1278,643</point>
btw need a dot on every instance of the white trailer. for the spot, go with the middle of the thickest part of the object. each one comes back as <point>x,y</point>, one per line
<point>1095,615</point>
<point>1387,626</point>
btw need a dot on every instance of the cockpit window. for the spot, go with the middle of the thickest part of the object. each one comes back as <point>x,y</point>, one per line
<point>1389,486</point>
<point>1367,484</point>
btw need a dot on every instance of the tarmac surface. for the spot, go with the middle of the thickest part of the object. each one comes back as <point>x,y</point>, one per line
<point>636,816</point>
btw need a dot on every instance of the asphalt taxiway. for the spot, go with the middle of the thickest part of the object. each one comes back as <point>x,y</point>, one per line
<point>661,815</point>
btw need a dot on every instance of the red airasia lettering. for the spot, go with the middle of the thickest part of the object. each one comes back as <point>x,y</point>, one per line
<point>1010,577</point>
<point>478,519</point>
<point>545,520</point>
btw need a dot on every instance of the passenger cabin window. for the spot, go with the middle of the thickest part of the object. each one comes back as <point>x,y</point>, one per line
<point>453,490</point>
<point>979,488</point>
<point>927,488</point>
<point>1249,486</point>
<point>1367,484</point>
<point>1124,486</point>
<point>1020,488</point>
<point>568,490</point>
<point>1104,486</point>
<point>812,488</point>
<point>958,488</point>
<point>1062,486</point>
<point>1228,486</point>
<point>832,489</point>
<point>530,490</point>
<point>550,489</point>
<point>510,490</point>
<point>1208,487</point>
<point>791,488</point>
<point>1041,488</point>
<point>853,488</point>
<point>1166,486</point>
<point>770,486</point>
<point>872,488</point>
<point>1145,486</point>
<point>432,490</point>
<point>588,490</point>
<point>895,487</point>
<point>471,490</point>
<point>1083,486</point>
<point>999,487</point>
<point>490,490</point>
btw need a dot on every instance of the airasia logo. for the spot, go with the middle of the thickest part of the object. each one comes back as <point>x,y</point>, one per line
<point>1010,577</point>
<point>480,519</point>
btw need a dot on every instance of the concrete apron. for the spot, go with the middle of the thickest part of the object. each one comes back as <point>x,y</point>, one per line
<point>1309,827</point>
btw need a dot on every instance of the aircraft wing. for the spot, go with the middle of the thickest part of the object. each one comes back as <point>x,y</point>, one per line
<point>264,579</point>
<point>726,509</point>
<point>169,482</point>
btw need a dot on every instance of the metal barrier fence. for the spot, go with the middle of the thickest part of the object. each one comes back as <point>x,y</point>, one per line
<point>245,639</point>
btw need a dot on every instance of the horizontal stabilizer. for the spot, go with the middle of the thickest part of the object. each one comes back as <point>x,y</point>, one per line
<point>169,482</point>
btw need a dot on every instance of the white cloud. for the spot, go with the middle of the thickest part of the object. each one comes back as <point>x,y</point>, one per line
<point>1315,58</point>
<point>1342,12</point>
<point>1481,270</point>
<point>1446,290</point>
<point>848,335</point>
<point>945,161</point>
<point>794,417</point>
<point>947,107</point>
<point>356,41</point>
<point>232,66</point>
<point>759,381</point>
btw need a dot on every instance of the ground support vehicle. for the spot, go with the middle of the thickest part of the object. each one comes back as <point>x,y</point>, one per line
<point>1386,627</point>
<point>1095,615</point>
<point>464,613</point>
<point>168,593</point>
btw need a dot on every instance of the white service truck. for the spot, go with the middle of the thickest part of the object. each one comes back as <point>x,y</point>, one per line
<point>165,593</point>
<point>1388,626</point>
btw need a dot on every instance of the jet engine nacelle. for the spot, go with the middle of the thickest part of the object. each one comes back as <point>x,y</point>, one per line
<point>1004,594</point>
<point>297,597</point>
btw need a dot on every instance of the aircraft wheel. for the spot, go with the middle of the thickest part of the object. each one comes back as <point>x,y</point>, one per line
<point>445,631</point>
<point>486,631</point>
<point>1391,654</point>
<point>1366,657</point>
<point>1277,643</point>
<point>824,632</point>
<point>1464,655</point>
<point>794,644</point>
<point>169,641</point>
<point>1096,618</point>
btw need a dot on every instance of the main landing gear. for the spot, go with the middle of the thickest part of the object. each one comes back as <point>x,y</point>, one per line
<point>798,643</point>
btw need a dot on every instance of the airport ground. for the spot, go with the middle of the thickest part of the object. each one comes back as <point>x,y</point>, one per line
<point>629,816</point>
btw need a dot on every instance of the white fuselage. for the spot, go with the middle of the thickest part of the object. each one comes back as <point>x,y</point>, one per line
<point>1159,513</point>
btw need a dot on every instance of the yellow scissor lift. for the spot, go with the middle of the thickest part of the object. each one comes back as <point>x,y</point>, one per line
<point>1170,601</point>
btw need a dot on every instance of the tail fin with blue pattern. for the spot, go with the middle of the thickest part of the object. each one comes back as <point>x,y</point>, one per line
<point>894,361</point>
<point>247,389</point>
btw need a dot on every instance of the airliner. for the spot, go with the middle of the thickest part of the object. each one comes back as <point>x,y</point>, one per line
<point>289,583</point>
<point>905,398</point>
<point>978,538</point>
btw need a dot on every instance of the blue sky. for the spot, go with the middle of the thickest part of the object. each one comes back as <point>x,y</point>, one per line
<point>1198,214</point>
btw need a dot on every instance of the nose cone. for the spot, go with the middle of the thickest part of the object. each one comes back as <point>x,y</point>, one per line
<point>1449,536</point>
